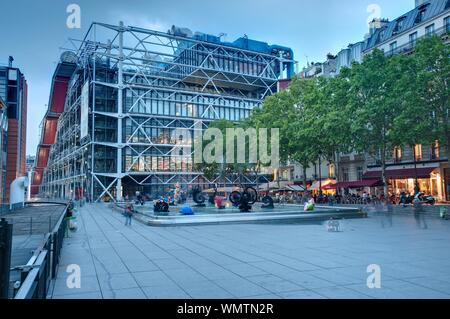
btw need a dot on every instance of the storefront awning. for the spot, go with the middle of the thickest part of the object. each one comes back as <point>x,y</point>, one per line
<point>359,184</point>
<point>296,188</point>
<point>325,184</point>
<point>283,187</point>
<point>422,172</point>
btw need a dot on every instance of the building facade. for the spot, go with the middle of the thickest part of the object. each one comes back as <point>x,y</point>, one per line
<point>134,90</point>
<point>326,69</point>
<point>400,36</point>
<point>425,164</point>
<point>14,92</point>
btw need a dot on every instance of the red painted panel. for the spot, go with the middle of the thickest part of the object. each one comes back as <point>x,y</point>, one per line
<point>60,85</point>
<point>42,157</point>
<point>58,97</point>
<point>50,131</point>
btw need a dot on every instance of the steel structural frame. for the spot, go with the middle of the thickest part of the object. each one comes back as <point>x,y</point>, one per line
<point>152,62</point>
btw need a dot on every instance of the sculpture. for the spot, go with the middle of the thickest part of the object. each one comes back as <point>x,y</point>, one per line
<point>244,200</point>
<point>198,197</point>
<point>161,206</point>
<point>267,202</point>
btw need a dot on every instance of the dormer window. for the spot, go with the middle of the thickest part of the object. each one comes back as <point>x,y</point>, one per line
<point>421,14</point>
<point>381,36</point>
<point>400,24</point>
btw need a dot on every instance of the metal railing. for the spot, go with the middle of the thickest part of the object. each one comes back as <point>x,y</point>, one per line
<point>5,257</point>
<point>37,274</point>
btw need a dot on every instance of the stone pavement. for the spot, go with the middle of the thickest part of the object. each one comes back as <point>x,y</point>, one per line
<point>276,260</point>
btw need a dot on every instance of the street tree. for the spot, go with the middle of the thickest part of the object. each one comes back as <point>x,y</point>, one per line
<point>375,108</point>
<point>432,57</point>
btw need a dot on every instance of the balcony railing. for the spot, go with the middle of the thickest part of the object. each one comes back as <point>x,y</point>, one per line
<point>409,47</point>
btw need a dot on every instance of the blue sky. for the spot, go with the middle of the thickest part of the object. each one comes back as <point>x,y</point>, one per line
<point>35,31</point>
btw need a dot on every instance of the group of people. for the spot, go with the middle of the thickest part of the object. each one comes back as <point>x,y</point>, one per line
<point>302,198</point>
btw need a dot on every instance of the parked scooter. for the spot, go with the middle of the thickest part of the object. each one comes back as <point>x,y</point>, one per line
<point>421,198</point>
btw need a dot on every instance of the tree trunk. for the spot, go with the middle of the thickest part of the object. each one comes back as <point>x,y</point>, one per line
<point>304,176</point>
<point>384,179</point>
<point>447,136</point>
<point>320,176</point>
<point>337,169</point>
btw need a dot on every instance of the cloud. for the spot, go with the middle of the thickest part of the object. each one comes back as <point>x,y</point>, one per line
<point>140,20</point>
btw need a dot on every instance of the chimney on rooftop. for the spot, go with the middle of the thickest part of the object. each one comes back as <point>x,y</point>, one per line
<point>376,24</point>
<point>10,61</point>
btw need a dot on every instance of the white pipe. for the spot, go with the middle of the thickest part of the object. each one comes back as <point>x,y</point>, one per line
<point>29,185</point>
<point>17,191</point>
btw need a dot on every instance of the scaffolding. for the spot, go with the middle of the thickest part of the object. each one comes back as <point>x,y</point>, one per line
<point>131,91</point>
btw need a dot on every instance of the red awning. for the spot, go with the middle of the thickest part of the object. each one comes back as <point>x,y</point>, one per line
<point>422,172</point>
<point>359,184</point>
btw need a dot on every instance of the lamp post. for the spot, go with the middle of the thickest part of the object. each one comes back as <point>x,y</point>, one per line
<point>320,176</point>
<point>416,180</point>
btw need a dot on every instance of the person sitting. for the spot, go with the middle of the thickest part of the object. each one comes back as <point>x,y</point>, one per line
<point>218,202</point>
<point>310,205</point>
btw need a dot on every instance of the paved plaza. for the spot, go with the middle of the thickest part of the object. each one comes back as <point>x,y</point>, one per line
<point>276,260</point>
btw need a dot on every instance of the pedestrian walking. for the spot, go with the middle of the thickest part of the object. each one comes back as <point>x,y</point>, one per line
<point>403,198</point>
<point>128,214</point>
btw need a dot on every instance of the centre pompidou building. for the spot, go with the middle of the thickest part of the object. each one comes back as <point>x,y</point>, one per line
<point>132,87</point>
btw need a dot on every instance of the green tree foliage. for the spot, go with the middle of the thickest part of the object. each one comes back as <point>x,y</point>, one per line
<point>211,170</point>
<point>373,107</point>
<point>432,83</point>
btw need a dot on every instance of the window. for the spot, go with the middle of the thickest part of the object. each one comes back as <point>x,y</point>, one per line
<point>359,173</point>
<point>434,152</point>
<point>393,46</point>
<point>429,30</point>
<point>418,152</point>
<point>12,75</point>
<point>447,23</point>
<point>413,39</point>
<point>331,171</point>
<point>421,14</point>
<point>399,25</point>
<point>397,154</point>
<point>345,175</point>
